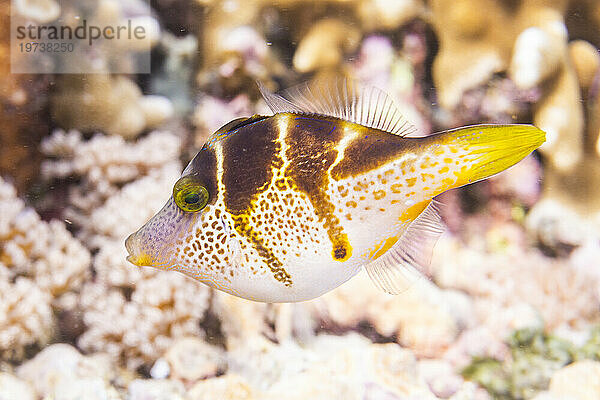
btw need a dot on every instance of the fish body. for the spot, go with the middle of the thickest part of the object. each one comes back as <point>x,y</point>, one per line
<point>298,202</point>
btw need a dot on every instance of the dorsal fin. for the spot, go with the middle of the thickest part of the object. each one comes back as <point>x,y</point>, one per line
<point>409,257</point>
<point>341,98</point>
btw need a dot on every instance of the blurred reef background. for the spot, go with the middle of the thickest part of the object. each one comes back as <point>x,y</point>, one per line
<point>513,311</point>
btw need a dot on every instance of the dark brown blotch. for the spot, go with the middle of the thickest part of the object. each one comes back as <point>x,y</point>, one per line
<point>312,150</point>
<point>373,149</point>
<point>249,156</point>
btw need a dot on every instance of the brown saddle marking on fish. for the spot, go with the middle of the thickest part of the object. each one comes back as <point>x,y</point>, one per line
<point>250,158</point>
<point>371,150</point>
<point>312,150</point>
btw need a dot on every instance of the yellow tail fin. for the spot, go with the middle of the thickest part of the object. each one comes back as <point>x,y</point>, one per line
<point>493,148</point>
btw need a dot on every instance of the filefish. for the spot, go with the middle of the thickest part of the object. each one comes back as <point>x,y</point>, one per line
<point>286,207</point>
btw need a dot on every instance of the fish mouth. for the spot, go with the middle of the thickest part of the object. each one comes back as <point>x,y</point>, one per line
<point>136,256</point>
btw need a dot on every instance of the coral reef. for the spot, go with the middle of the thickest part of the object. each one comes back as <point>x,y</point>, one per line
<point>61,371</point>
<point>12,387</point>
<point>424,318</point>
<point>87,97</point>
<point>512,307</point>
<point>106,164</point>
<point>191,359</point>
<point>325,45</point>
<point>27,317</point>
<point>529,41</point>
<point>131,314</point>
<point>578,381</point>
<point>39,262</point>
<point>114,54</point>
<point>355,369</point>
<point>558,294</point>
<point>162,308</point>
<point>237,40</point>
<point>535,362</point>
<point>105,103</point>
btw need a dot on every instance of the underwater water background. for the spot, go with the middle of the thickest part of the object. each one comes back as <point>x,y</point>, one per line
<point>512,310</point>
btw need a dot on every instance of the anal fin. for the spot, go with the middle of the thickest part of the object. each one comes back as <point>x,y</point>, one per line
<point>408,259</point>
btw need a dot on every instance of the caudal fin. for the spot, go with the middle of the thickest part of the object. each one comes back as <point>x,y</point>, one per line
<point>491,149</point>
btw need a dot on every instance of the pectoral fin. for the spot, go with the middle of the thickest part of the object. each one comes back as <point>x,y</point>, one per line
<point>408,259</point>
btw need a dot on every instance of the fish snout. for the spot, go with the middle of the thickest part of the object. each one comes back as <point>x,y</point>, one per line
<point>136,255</point>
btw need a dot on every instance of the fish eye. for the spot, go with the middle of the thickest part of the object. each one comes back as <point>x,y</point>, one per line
<point>190,195</point>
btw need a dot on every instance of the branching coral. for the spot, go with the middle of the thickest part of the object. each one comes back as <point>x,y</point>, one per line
<point>104,164</point>
<point>39,261</point>
<point>112,268</point>
<point>107,161</point>
<point>108,225</point>
<point>126,210</point>
<point>424,318</point>
<point>132,314</point>
<point>138,331</point>
<point>555,290</point>
<point>25,317</point>
<point>191,359</point>
<point>44,252</point>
